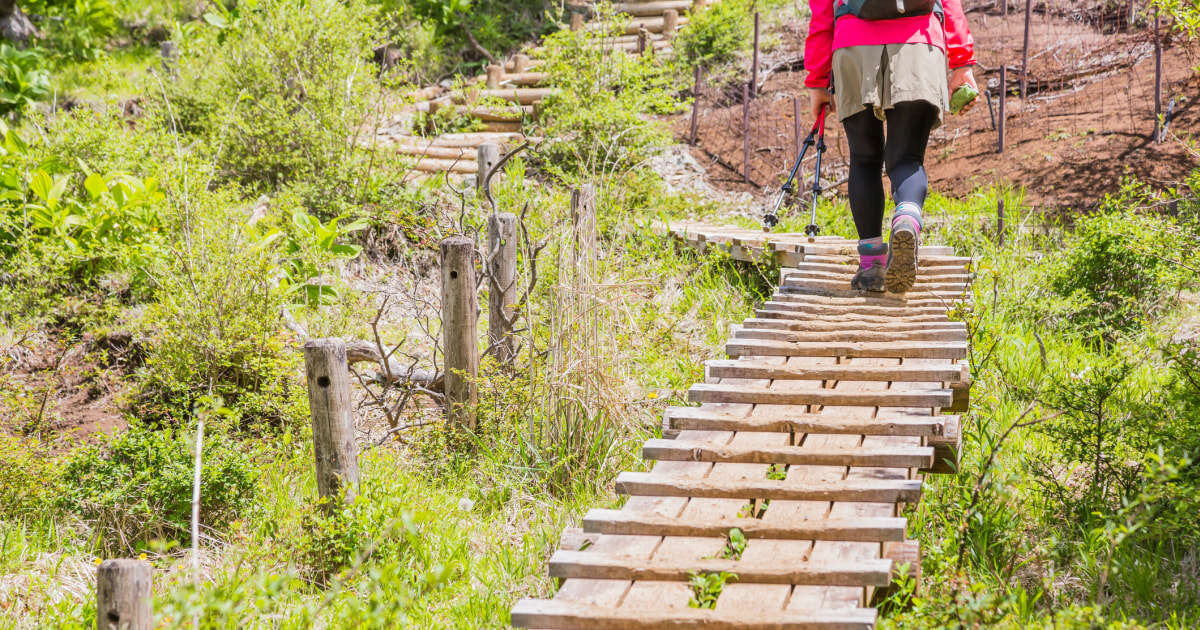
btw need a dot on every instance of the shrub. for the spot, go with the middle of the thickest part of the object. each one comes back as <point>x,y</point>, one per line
<point>281,90</point>
<point>29,478</point>
<point>715,35</point>
<point>137,487</point>
<point>23,79</point>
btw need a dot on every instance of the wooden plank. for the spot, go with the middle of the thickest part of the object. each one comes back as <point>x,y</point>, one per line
<point>946,449</point>
<point>925,261</point>
<point>435,165</point>
<point>847,270</point>
<point>843,325</point>
<point>870,530</point>
<point>524,96</point>
<point>848,314</point>
<point>602,566</point>
<point>839,288</point>
<point>786,418</point>
<point>651,8</point>
<point>644,484</point>
<point>897,302</point>
<point>742,368</point>
<point>560,615</point>
<point>930,397</point>
<point>898,349</point>
<point>852,335</point>
<point>683,450</point>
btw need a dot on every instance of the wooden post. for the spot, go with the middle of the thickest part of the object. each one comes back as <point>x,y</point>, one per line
<point>502,283</point>
<point>460,341</point>
<point>486,157</point>
<point>1003,100</point>
<point>1004,12</point>
<point>1157,77</point>
<point>746,133</point>
<point>430,125</point>
<point>670,23</point>
<point>695,106</point>
<point>576,22</point>
<point>583,218</point>
<point>644,42</point>
<point>123,595</point>
<point>494,74</point>
<point>520,63</point>
<point>1025,51</point>
<point>754,62</point>
<point>329,407</point>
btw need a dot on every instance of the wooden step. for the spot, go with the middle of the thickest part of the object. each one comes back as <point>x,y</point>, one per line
<point>847,270</point>
<point>741,368</point>
<point>435,165</point>
<point>688,451</point>
<point>881,333</point>
<point>601,566</point>
<point>524,96</point>
<point>627,522</point>
<point>838,288</point>
<point>925,261</point>
<point>787,419</point>
<point>652,24</point>
<point>890,350</point>
<point>802,324</point>
<point>857,491</point>
<point>804,313</point>
<point>430,151</point>
<point>946,448</point>
<point>721,393</point>
<point>894,301</point>
<point>651,8</point>
<point>564,615</point>
<point>522,79</point>
<point>789,278</point>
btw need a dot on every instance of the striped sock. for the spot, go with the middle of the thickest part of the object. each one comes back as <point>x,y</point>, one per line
<point>872,251</point>
<point>907,212</point>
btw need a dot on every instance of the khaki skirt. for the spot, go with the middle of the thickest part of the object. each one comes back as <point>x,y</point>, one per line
<point>877,77</point>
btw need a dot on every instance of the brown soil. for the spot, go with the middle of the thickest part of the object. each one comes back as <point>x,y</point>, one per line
<point>1086,124</point>
<point>58,392</point>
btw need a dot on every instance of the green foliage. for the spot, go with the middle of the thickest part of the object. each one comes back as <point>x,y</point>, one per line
<point>136,487</point>
<point>310,249</point>
<point>596,123</point>
<point>76,30</point>
<point>29,479</point>
<point>735,545</point>
<point>1184,14</point>
<point>281,91</point>
<point>23,79</point>
<point>707,587</point>
<point>716,35</point>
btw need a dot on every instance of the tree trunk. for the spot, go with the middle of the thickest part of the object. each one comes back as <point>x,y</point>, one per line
<point>14,24</point>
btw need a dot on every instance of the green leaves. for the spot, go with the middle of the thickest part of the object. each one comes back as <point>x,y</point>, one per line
<point>311,247</point>
<point>23,79</point>
<point>707,587</point>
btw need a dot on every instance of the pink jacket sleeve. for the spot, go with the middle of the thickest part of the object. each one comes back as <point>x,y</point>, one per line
<point>960,46</point>
<point>818,47</point>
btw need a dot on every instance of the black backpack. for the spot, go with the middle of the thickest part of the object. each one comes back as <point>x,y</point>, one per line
<point>888,9</point>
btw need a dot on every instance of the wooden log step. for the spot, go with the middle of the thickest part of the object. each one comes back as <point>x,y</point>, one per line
<point>435,165</point>
<point>811,325</point>
<point>925,261</point>
<point>523,79</point>
<point>937,285</point>
<point>502,126</point>
<point>564,615</point>
<point>430,151</point>
<point>855,311</point>
<point>786,419</point>
<point>652,24</point>
<point>627,522</point>
<point>947,448</point>
<point>880,350</point>
<point>467,140</point>
<point>651,8</point>
<point>740,368</point>
<point>925,274</point>
<point>721,393</point>
<point>898,303</point>
<point>601,566</point>
<point>524,96</point>
<point>837,288</point>
<point>799,312</point>
<point>857,491</point>
<point>850,335</point>
<point>877,457</point>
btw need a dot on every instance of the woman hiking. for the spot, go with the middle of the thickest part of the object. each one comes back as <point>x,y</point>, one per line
<point>884,62</point>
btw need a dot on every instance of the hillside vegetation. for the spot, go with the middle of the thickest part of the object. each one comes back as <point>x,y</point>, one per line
<point>173,228</point>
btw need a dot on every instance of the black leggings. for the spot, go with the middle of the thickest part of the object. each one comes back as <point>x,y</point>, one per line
<point>908,127</point>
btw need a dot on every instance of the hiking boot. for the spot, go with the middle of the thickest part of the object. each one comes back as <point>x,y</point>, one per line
<point>868,279</point>
<point>872,256</point>
<point>901,271</point>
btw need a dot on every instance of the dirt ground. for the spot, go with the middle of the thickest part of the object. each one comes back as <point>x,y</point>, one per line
<point>1087,122</point>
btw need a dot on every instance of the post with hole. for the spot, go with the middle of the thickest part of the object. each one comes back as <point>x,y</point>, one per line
<point>670,23</point>
<point>460,338</point>
<point>336,454</point>
<point>486,157</point>
<point>123,595</point>
<point>502,284</point>
<point>495,73</point>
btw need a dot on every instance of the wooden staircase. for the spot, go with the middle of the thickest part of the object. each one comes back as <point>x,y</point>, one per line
<point>810,441</point>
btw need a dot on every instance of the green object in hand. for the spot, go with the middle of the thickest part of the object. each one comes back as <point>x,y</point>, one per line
<point>963,96</point>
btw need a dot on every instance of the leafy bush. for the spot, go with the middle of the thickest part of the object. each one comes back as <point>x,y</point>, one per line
<point>23,79</point>
<point>281,89</point>
<point>137,487</point>
<point>715,35</point>
<point>76,30</point>
<point>29,479</point>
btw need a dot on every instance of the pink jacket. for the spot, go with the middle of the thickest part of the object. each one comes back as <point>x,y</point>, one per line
<point>823,38</point>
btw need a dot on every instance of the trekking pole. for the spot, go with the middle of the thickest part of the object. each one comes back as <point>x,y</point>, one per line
<point>812,229</point>
<point>771,219</point>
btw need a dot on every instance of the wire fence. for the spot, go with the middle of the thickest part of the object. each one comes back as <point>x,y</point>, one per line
<point>1065,88</point>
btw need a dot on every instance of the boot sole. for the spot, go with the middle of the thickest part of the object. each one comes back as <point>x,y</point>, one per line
<point>901,271</point>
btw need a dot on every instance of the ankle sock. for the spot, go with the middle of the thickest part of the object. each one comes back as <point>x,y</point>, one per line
<point>907,212</point>
<point>872,251</point>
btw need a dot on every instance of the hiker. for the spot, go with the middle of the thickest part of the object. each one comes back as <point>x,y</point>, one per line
<point>873,64</point>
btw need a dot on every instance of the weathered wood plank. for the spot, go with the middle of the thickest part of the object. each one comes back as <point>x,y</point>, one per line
<point>787,418</point>
<point>899,349</point>
<point>868,529</point>
<point>891,457</point>
<point>931,397</point>
<point>891,490</point>
<point>602,566</point>
<point>851,335</point>
<point>800,324</point>
<point>742,368</point>
<point>558,615</point>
